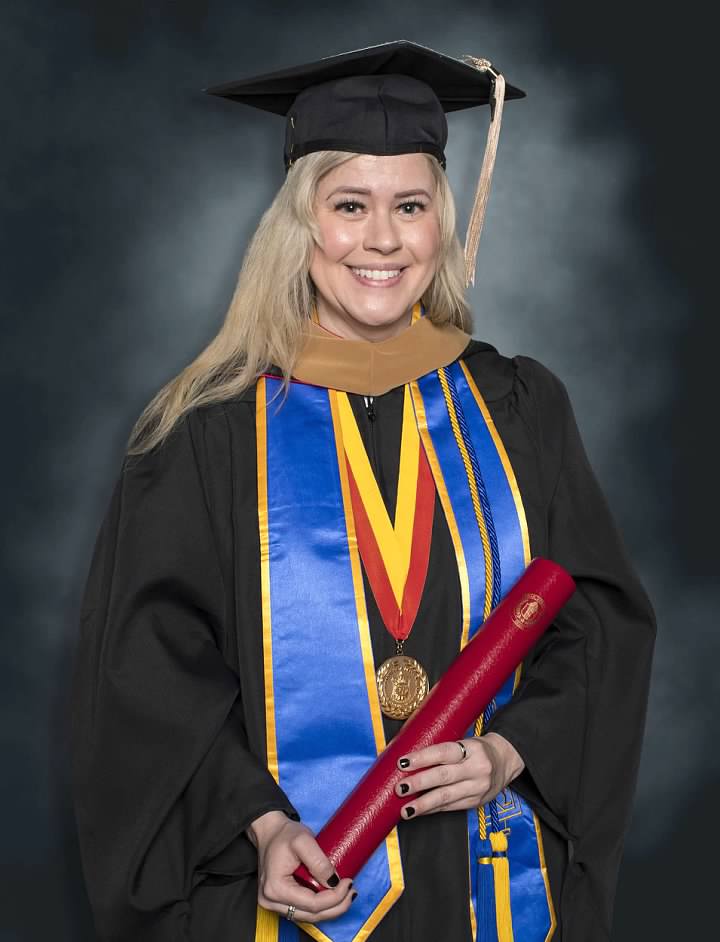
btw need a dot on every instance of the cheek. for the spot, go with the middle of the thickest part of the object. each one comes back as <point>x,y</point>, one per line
<point>337,240</point>
<point>424,240</point>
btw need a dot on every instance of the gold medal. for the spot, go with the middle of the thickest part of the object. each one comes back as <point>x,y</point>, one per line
<point>402,686</point>
<point>395,552</point>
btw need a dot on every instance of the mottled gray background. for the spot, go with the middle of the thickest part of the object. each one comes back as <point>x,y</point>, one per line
<point>127,199</point>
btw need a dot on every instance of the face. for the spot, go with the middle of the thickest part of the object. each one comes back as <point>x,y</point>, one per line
<point>379,243</point>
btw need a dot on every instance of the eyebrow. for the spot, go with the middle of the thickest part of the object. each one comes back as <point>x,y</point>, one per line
<point>362,192</point>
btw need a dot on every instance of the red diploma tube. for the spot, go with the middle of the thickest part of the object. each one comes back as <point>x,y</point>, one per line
<point>372,809</point>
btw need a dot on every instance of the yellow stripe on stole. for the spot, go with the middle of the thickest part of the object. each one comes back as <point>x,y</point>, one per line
<point>394,542</point>
<point>267,925</point>
<point>261,419</point>
<point>473,917</point>
<point>546,879</point>
<point>522,519</point>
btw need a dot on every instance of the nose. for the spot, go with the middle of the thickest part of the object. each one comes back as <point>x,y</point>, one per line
<point>381,232</point>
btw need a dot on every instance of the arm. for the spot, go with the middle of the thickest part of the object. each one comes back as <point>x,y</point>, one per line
<point>577,717</point>
<point>162,775</point>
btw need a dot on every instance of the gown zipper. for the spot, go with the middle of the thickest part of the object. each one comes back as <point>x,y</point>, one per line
<point>372,415</point>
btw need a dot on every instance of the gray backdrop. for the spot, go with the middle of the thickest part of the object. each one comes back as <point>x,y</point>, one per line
<point>127,200</point>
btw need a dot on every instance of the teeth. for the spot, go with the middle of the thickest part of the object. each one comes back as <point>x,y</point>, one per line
<point>375,274</point>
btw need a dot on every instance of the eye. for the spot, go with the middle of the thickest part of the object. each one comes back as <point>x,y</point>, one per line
<point>409,206</point>
<point>350,206</point>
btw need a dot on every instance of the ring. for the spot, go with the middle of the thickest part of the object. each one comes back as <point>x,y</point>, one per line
<point>462,746</point>
<point>290,915</point>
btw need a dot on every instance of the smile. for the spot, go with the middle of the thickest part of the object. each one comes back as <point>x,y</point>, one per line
<point>377,277</point>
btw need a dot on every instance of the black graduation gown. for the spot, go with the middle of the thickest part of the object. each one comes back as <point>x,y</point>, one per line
<point>168,736</point>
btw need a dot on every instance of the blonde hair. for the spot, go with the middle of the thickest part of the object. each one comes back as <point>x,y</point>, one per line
<point>273,298</point>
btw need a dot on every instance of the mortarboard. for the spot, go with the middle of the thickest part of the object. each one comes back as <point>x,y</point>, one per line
<point>386,99</point>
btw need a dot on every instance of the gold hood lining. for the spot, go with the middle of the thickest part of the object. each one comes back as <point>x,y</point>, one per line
<point>371,369</point>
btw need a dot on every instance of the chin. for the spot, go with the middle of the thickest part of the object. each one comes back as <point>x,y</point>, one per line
<point>378,318</point>
<point>377,314</point>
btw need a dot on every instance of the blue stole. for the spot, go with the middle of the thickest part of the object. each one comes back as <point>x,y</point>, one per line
<point>323,720</point>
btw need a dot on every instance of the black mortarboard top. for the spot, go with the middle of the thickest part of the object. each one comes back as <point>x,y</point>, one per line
<point>384,99</point>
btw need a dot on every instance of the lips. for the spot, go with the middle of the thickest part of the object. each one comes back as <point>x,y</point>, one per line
<point>384,277</point>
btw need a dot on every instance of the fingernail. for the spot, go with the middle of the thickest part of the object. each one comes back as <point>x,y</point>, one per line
<point>354,895</point>
<point>333,880</point>
<point>404,763</point>
<point>404,788</point>
<point>409,811</point>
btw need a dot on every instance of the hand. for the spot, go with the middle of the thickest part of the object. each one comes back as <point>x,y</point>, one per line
<point>451,783</point>
<point>282,845</point>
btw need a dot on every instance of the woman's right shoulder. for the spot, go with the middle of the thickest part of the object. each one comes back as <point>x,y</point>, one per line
<point>197,429</point>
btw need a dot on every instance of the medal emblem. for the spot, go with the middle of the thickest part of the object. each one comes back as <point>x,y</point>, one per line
<point>402,686</point>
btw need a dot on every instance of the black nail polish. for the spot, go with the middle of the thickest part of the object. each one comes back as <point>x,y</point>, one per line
<point>354,895</point>
<point>404,763</point>
<point>409,811</point>
<point>404,788</point>
<point>333,880</point>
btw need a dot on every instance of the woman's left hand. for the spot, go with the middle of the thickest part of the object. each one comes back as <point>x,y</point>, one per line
<point>450,782</point>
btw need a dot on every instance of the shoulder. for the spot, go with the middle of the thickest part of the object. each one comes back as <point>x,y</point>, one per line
<point>523,393</point>
<point>498,376</point>
<point>185,444</point>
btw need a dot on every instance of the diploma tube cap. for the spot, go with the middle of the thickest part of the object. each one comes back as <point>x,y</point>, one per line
<point>385,99</point>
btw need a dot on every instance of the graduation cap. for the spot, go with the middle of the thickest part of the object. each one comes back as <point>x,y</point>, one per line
<point>386,99</point>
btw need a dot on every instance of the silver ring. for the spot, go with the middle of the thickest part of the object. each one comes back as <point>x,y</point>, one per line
<point>464,750</point>
<point>290,915</point>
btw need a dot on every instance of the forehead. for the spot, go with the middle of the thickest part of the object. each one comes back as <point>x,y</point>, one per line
<point>379,173</point>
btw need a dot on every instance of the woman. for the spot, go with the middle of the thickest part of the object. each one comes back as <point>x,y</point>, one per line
<point>271,545</point>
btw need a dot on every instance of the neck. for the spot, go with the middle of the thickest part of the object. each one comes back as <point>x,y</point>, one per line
<point>350,329</point>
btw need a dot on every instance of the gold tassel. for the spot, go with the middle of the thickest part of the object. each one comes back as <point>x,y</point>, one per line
<point>267,927</point>
<point>477,216</point>
<point>501,873</point>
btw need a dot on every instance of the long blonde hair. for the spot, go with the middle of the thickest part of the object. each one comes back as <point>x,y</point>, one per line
<point>274,295</point>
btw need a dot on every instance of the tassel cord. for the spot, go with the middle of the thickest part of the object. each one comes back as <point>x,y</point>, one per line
<point>482,191</point>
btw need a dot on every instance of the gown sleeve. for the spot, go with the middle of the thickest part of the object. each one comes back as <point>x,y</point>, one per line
<point>163,780</point>
<point>577,717</point>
